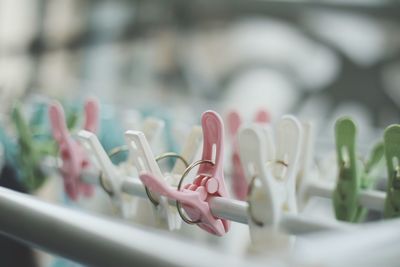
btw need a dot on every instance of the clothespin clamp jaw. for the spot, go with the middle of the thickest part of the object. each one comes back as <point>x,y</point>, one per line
<point>72,154</point>
<point>239,182</point>
<point>209,182</point>
<point>392,154</point>
<point>31,152</point>
<point>274,194</point>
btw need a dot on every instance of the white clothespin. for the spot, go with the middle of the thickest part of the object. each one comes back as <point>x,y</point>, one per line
<point>307,173</point>
<point>307,152</point>
<point>272,182</point>
<point>189,151</point>
<point>144,160</point>
<point>152,128</point>
<point>111,176</point>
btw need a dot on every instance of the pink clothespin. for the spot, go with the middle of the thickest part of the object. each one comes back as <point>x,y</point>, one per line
<point>208,183</point>
<point>239,182</point>
<point>74,158</point>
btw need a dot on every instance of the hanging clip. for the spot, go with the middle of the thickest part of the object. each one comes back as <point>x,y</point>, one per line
<point>208,183</point>
<point>271,177</point>
<point>353,175</point>
<point>239,183</point>
<point>145,161</point>
<point>32,149</point>
<point>111,177</point>
<point>72,154</point>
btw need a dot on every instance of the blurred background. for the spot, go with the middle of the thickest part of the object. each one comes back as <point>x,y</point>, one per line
<point>313,58</point>
<point>289,56</point>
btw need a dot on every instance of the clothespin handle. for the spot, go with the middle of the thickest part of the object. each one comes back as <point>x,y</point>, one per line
<point>345,196</point>
<point>213,148</point>
<point>392,154</point>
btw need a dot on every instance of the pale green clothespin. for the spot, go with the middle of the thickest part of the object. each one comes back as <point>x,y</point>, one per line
<point>392,153</point>
<point>31,151</point>
<point>353,175</point>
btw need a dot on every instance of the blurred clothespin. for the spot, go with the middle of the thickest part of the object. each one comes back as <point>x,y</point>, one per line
<point>9,149</point>
<point>307,153</point>
<point>392,154</point>
<point>113,125</point>
<point>31,149</point>
<point>239,183</point>
<point>73,156</point>
<point>271,178</point>
<point>209,182</point>
<point>113,175</point>
<point>354,175</point>
<point>145,161</point>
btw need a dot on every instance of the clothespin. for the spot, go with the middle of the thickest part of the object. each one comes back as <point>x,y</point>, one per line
<point>31,150</point>
<point>194,197</point>
<point>307,151</point>
<point>111,133</point>
<point>145,161</point>
<point>234,122</point>
<point>73,156</point>
<point>169,141</point>
<point>392,154</point>
<point>9,149</point>
<point>271,177</point>
<point>113,175</point>
<point>353,175</point>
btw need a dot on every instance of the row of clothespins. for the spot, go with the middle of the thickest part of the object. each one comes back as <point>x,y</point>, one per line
<point>271,168</point>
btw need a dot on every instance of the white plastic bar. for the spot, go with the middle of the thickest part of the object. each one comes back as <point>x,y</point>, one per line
<point>234,210</point>
<point>96,241</point>
<point>370,199</point>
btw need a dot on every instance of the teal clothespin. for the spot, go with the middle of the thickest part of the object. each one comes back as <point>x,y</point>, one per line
<point>111,134</point>
<point>9,147</point>
<point>31,151</point>
<point>353,175</point>
<point>392,153</point>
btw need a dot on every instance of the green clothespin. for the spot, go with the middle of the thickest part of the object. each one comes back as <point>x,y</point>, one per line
<point>353,175</point>
<point>392,153</point>
<point>31,151</point>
